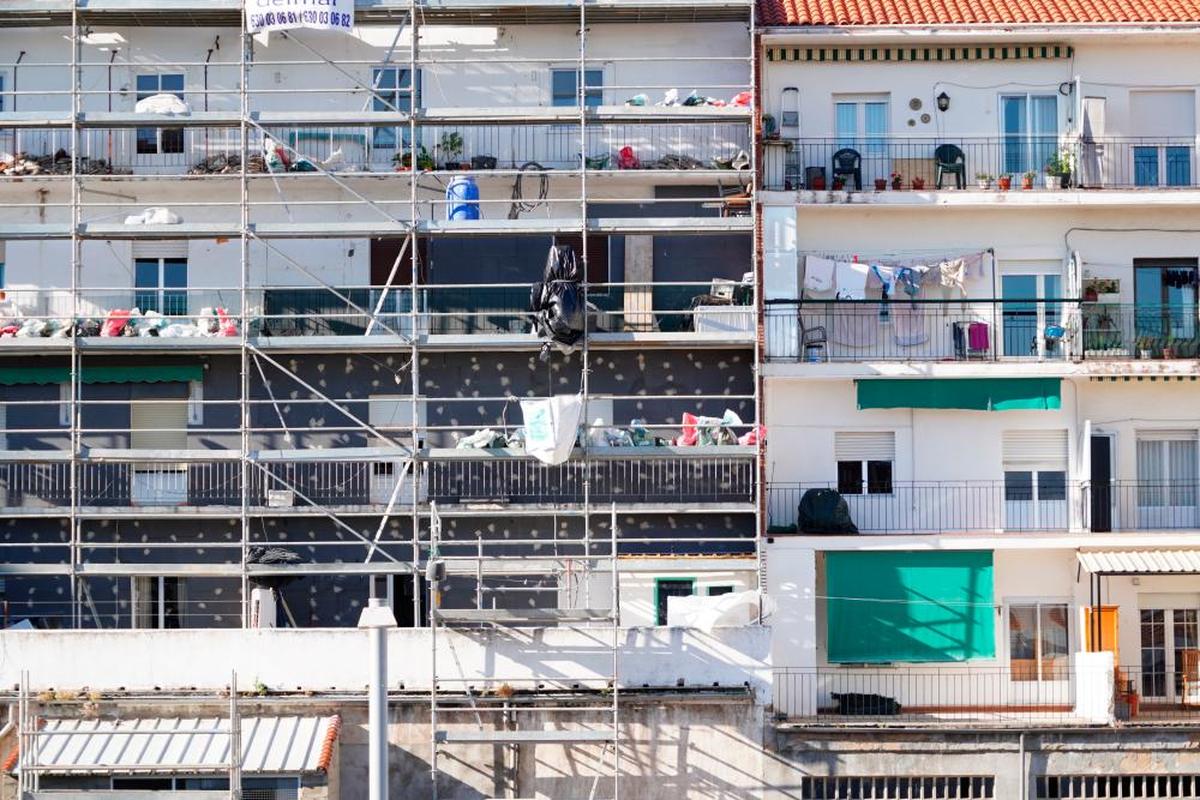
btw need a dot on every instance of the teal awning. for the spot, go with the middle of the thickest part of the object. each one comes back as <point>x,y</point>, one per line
<point>973,394</point>
<point>40,376</point>
<point>909,606</point>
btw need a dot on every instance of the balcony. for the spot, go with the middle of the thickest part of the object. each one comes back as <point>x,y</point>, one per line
<point>278,483</point>
<point>978,329</point>
<point>975,165</point>
<point>1000,507</point>
<point>715,313</point>
<point>1054,692</point>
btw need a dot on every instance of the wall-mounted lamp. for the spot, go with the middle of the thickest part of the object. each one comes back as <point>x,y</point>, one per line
<point>943,102</point>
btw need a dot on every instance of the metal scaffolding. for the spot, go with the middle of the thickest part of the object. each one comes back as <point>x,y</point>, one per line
<point>414,466</point>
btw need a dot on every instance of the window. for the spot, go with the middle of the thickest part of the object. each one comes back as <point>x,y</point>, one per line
<point>157,601</point>
<point>597,258</point>
<point>670,587</point>
<point>1164,123</point>
<point>1035,479</point>
<point>1025,320</point>
<point>1167,472</point>
<point>716,591</point>
<point>862,123</point>
<point>1103,787</point>
<point>393,91</point>
<point>159,140</point>
<point>3,101</point>
<point>1029,125</point>
<point>563,87</point>
<point>1038,645</point>
<point>940,787</point>
<point>864,461</point>
<point>160,284</point>
<point>1164,295</point>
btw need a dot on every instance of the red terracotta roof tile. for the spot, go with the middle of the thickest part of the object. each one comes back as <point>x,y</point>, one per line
<point>978,12</point>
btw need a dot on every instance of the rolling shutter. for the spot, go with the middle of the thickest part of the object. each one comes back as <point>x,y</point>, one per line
<point>160,249</point>
<point>158,426</point>
<point>1044,447</point>
<point>864,445</point>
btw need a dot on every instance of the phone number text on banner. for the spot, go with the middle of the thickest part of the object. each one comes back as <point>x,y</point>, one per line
<point>282,15</point>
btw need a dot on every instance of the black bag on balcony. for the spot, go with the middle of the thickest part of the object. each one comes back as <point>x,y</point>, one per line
<point>556,302</point>
<point>867,705</point>
<point>825,511</point>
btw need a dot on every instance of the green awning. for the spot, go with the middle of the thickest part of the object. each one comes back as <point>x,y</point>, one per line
<point>973,394</point>
<point>909,606</point>
<point>40,376</point>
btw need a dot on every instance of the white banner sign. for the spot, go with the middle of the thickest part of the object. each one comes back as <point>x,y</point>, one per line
<point>282,15</point>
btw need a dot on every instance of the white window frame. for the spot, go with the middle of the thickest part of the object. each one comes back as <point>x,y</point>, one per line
<point>158,131</point>
<point>64,404</point>
<point>1037,603</point>
<point>195,400</point>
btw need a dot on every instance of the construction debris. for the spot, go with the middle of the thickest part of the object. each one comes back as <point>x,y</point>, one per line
<point>57,164</point>
<point>228,164</point>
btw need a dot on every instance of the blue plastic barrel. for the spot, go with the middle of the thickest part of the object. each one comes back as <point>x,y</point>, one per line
<point>462,198</point>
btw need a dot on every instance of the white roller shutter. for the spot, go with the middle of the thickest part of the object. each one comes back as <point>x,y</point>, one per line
<point>158,426</point>
<point>1166,435</point>
<point>1046,448</point>
<point>160,249</point>
<point>1165,114</point>
<point>864,445</point>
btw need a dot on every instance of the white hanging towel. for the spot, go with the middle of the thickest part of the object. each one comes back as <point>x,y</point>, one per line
<point>551,427</point>
<point>818,274</point>
<point>852,280</point>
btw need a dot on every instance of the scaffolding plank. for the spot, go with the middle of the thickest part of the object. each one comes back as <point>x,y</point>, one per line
<point>522,737</point>
<point>521,616</point>
<point>121,119</point>
<point>205,570</point>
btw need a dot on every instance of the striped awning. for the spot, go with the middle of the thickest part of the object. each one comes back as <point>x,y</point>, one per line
<point>1009,52</point>
<point>1140,562</point>
<point>175,745</point>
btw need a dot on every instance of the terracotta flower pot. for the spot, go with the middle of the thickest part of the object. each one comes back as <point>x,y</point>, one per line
<point>880,184</point>
<point>918,184</point>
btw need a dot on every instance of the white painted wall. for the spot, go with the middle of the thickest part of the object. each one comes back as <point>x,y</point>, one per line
<point>337,659</point>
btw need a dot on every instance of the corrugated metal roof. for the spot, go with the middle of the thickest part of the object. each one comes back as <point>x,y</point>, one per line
<point>1130,562</point>
<point>269,744</point>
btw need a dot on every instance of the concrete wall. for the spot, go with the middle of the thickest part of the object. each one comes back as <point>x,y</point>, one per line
<point>285,658</point>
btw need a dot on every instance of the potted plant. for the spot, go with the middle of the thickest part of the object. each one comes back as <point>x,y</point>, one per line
<point>918,183</point>
<point>1004,182</point>
<point>1027,180</point>
<point>983,180</point>
<point>839,183</point>
<point>769,127</point>
<point>451,146</point>
<point>1058,170</point>
<point>897,181</point>
<point>1145,348</point>
<point>880,184</point>
<point>1168,351</point>
<point>403,160</point>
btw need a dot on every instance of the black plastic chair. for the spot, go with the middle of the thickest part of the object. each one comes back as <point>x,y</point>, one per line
<point>848,162</point>
<point>950,159</point>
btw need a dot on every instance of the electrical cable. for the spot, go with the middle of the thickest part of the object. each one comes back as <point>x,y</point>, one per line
<point>520,205</point>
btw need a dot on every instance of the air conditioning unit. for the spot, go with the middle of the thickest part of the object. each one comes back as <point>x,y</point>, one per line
<point>280,498</point>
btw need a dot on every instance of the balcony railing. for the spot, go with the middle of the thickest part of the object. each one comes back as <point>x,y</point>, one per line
<point>718,306</point>
<point>977,163</point>
<point>936,507</point>
<point>370,482</point>
<point>1022,693</point>
<point>965,506</point>
<point>952,695</point>
<point>978,329</point>
<point>176,151</point>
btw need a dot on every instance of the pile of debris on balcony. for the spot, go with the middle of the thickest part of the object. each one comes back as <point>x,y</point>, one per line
<point>57,164</point>
<point>222,164</point>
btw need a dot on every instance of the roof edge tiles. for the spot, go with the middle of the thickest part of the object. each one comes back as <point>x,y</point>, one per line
<point>861,13</point>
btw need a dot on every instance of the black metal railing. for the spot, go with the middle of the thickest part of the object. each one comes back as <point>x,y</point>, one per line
<point>980,329</point>
<point>930,507</point>
<point>1141,505</point>
<point>898,163</point>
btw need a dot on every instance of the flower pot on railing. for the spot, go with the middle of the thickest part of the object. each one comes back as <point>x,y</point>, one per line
<point>1004,182</point>
<point>880,184</point>
<point>1027,181</point>
<point>1052,181</point>
<point>918,184</point>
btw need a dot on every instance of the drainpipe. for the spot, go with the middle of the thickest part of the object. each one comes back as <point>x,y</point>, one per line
<point>111,58</point>
<point>216,46</point>
<point>1024,770</point>
<point>16,133</point>
<point>378,619</point>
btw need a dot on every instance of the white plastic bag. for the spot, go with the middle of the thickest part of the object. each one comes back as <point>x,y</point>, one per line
<point>162,103</point>
<point>552,426</point>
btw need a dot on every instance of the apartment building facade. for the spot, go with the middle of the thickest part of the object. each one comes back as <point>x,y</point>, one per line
<point>270,350</point>
<point>980,267</point>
